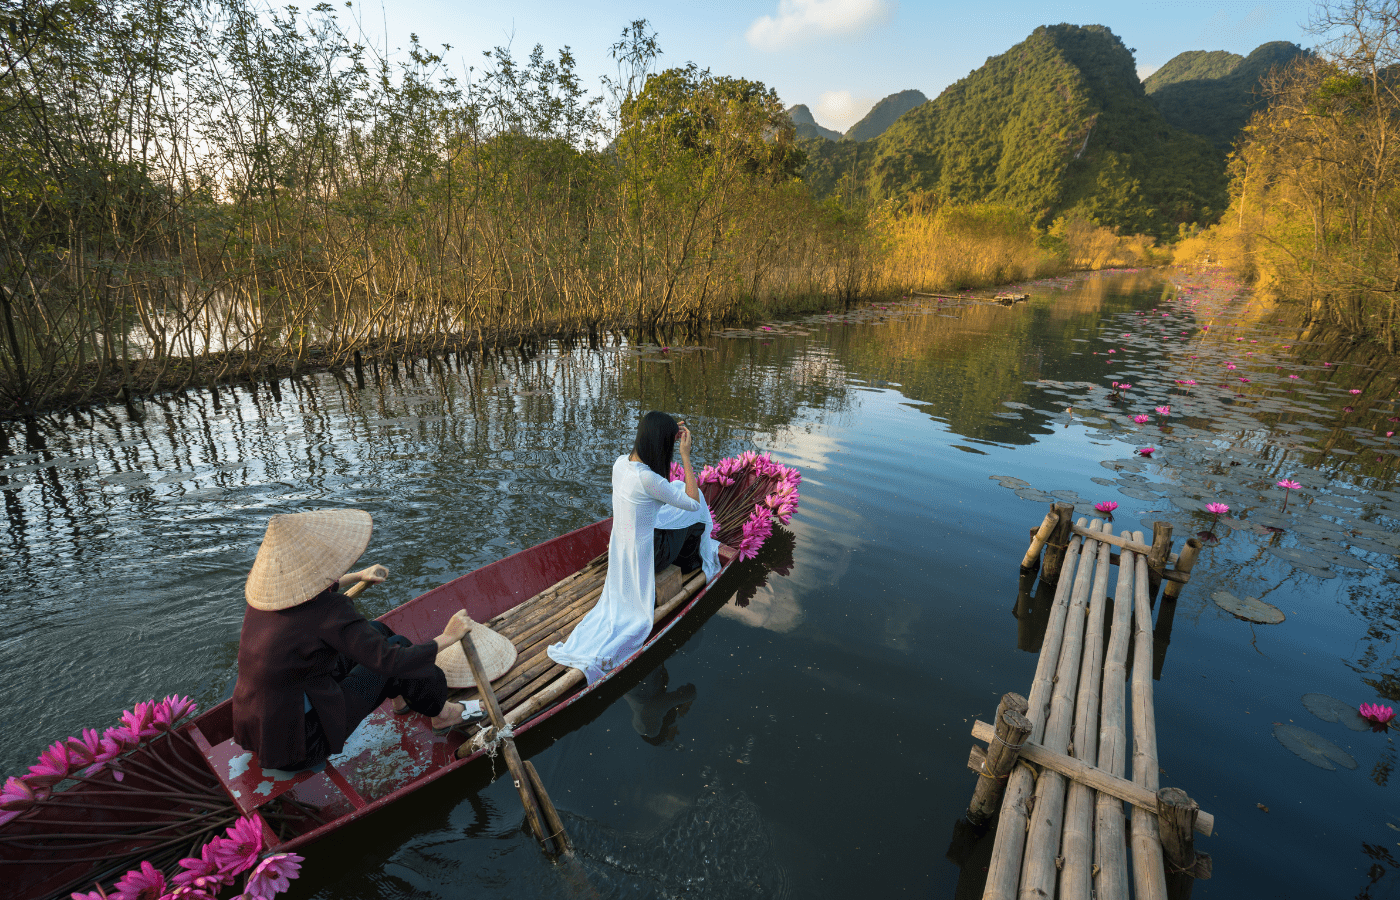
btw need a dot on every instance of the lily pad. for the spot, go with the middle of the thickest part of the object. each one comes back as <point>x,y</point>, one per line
<point>1330,709</point>
<point>1251,609</point>
<point>1313,747</point>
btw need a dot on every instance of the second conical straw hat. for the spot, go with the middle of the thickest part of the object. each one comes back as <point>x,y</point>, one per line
<point>302,553</point>
<point>496,651</point>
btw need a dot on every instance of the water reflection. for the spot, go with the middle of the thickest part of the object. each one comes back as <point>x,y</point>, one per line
<point>931,435</point>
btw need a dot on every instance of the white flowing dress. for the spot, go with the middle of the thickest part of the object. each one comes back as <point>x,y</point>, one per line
<point>619,624</point>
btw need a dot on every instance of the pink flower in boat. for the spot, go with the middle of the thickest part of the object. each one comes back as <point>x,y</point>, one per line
<point>140,720</point>
<point>98,894</point>
<point>1142,418</point>
<point>1218,509</point>
<point>272,876</point>
<point>1146,451</point>
<point>1106,507</point>
<point>145,883</point>
<point>1379,716</point>
<point>17,795</point>
<point>53,766</point>
<point>238,851</point>
<point>1164,410</point>
<point>1289,485</point>
<point>85,750</point>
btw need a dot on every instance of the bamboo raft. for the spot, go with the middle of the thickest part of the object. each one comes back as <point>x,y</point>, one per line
<point>1062,825</point>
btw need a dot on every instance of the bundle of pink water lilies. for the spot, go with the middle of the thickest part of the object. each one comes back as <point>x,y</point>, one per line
<point>744,518</point>
<point>107,760</point>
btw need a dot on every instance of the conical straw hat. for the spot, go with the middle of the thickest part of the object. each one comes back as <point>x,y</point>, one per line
<point>496,651</point>
<point>302,553</point>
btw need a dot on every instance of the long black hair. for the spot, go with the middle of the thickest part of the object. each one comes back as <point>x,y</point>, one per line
<point>656,442</point>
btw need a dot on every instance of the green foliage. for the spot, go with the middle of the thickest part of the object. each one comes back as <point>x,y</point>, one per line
<point>1214,94</point>
<point>1059,123</point>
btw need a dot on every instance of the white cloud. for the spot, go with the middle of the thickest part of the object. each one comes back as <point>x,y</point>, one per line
<point>800,20</point>
<point>841,109</point>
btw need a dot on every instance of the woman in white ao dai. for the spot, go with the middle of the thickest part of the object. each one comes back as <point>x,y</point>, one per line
<point>619,624</point>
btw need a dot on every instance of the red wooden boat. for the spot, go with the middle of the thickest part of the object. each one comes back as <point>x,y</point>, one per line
<point>534,597</point>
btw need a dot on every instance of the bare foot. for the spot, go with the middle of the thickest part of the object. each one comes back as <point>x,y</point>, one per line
<point>451,715</point>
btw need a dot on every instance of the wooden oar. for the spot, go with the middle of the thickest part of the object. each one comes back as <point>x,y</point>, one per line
<point>527,781</point>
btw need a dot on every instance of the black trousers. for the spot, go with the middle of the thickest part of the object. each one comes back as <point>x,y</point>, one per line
<point>678,545</point>
<point>365,690</point>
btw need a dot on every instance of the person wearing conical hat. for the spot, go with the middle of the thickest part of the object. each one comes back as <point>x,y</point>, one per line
<point>310,667</point>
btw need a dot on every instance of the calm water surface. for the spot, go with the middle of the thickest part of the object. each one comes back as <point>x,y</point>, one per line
<point>806,734</point>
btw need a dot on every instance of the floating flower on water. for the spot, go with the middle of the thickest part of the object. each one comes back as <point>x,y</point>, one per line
<point>1289,485</point>
<point>1379,716</point>
<point>1389,433</point>
<point>1106,507</point>
<point>1164,410</point>
<point>1327,365</point>
<point>1293,376</point>
<point>1142,418</point>
<point>1113,351</point>
<point>765,328</point>
<point>1245,380</point>
<point>1348,409</point>
<point>1229,365</point>
<point>1146,451</point>
<point>1218,509</point>
<point>1354,391</point>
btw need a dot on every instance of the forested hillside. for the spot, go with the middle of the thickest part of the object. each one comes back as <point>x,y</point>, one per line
<point>1213,94</point>
<point>1059,124</point>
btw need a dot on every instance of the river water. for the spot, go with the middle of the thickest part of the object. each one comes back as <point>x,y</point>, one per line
<point>806,734</point>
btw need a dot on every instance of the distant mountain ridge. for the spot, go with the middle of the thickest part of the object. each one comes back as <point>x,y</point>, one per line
<point>883,114</point>
<point>1213,93</point>
<point>807,127</point>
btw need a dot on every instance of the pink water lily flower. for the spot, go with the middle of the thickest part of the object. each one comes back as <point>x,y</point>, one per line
<point>1229,365</point>
<point>1354,391</point>
<point>1289,485</point>
<point>1146,451</point>
<point>1379,716</point>
<point>1245,380</point>
<point>1292,376</point>
<point>1218,509</point>
<point>273,876</point>
<point>1164,410</point>
<point>239,850</point>
<point>1106,507</point>
<point>145,883</point>
<point>1142,418</point>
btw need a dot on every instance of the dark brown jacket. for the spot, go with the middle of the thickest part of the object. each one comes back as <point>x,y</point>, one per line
<point>286,653</point>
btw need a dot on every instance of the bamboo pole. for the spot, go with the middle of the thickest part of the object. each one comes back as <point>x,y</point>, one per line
<point>1004,870</point>
<point>528,798</point>
<point>1123,542</point>
<point>1076,845</point>
<point>1149,881</point>
<point>1184,564</point>
<point>1058,543</point>
<point>1110,826</point>
<point>1031,560</point>
<point>1011,731</point>
<point>1076,770</point>
<point>1157,557</point>
<point>1176,817</point>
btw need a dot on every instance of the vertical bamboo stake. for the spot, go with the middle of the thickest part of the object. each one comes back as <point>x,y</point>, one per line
<point>1184,564</point>
<point>1038,870</point>
<point>1110,846</point>
<point>1157,559</point>
<point>1004,872</point>
<point>1002,753</point>
<point>1058,542</point>
<point>1149,880</point>
<point>1176,817</point>
<point>1077,846</point>
<point>1031,560</point>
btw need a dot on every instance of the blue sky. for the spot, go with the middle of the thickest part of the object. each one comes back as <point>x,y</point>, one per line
<point>837,56</point>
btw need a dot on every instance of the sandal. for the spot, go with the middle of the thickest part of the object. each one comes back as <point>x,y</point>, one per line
<point>472,710</point>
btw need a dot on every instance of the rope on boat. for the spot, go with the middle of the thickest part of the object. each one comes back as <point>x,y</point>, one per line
<point>489,739</point>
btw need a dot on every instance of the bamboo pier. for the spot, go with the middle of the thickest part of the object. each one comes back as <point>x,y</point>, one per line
<point>1057,771</point>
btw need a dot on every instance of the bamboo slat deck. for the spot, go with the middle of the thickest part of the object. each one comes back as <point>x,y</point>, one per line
<point>550,616</point>
<point>1060,759</point>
